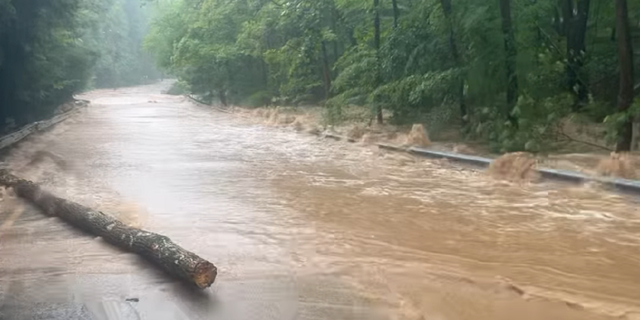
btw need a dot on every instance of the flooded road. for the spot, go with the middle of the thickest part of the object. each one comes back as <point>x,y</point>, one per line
<point>303,228</point>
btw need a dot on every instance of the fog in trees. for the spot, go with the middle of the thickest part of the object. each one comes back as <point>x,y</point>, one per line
<point>50,50</point>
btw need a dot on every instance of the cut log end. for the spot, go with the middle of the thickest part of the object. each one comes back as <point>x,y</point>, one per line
<point>156,248</point>
<point>205,275</point>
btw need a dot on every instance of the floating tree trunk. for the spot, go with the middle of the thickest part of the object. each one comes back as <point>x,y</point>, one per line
<point>156,248</point>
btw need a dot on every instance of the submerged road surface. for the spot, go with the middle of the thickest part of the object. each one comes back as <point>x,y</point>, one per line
<point>302,228</point>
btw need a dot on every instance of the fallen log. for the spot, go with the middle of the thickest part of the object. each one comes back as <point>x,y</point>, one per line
<point>156,248</point>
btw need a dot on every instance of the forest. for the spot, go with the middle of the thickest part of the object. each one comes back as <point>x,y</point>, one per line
<point>510,72</point>
<point>50,50</point>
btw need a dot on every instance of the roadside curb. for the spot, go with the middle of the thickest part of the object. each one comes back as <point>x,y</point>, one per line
<point>620,184</point>
<point>38,126</point>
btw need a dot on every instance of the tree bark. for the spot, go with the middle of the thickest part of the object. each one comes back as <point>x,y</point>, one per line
<point>575,29</point>
<point>510,59</point>
<point>446,8</point>
<point>156,248</point>
<point>396,13</point>
<point>376,44</point>
<point>625,60</point>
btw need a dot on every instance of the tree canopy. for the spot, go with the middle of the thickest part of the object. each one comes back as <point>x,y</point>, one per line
<point>505,70</point>
<point>50,50</point>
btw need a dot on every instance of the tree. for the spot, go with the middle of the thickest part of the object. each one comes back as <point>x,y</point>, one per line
<point>50,50</point>
<point>376,46</point>
<point>447,10</point>
<point>116,28</point>
<point>575,17</point>
<point>43,61</point>
<point>511,70</point>
<point>625,57</point>
<point>510,58</point>
<point>396,13</point>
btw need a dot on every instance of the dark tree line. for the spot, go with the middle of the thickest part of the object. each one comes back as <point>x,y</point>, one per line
<point>50,50</point>
<point>508,71</point>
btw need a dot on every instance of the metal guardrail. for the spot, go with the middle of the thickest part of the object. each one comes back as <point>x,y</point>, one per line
<point>472,160</point>
<point>619,184</point>
<point>29,129</point>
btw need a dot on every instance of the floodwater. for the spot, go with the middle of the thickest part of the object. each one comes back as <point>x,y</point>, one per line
<point>303,228</point>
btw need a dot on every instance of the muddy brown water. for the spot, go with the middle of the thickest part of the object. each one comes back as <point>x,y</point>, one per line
<point>303,228</point>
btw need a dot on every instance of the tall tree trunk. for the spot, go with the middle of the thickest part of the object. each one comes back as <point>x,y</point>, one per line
<point>625,58</point>
<point>396,13</point>
<point>575,29</point>
<point>612,36</point>
<point>376,44</point>
<point>446,8</point>
<point>558,20</point>
<point>352,37</point>
<point>326,70</point>
<point>510,59</point>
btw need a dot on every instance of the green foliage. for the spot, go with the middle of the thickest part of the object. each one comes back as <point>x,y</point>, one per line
<point>259,99</point>
<point>44,63</point>
<point>614,123</point>
<point>178,88</point>
<point>442,67</point>
<point>535,129</point>
<point>50,50</point>
<point>115,29</point>
<point>333,114</point>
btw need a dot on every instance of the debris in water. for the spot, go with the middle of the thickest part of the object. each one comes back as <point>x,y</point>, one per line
<point>418,136</point>
<point>617,165</point>
<point>516,166</point>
